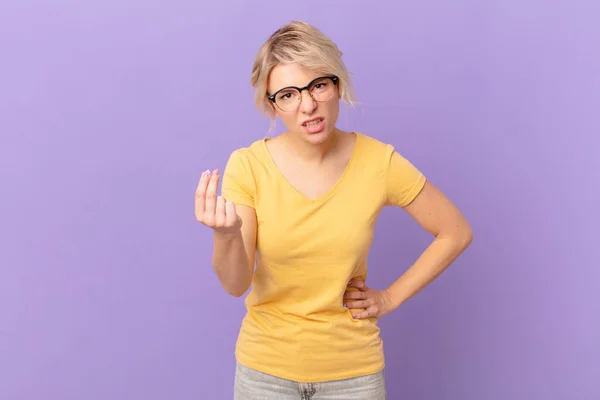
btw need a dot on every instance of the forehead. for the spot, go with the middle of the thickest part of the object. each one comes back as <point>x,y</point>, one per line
<point>283,75</point>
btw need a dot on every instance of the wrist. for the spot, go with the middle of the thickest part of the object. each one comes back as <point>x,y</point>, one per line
<point>227,235</point>
<point>395,296</point>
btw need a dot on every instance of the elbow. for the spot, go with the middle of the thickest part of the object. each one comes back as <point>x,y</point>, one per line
<point>237,293</point>
<point>460,239</point>
<point>236,290</point>
<point>465,238</point>
<point>235,283</point>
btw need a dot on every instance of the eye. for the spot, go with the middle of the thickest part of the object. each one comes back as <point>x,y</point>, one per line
<point>320,85</point>
<point>287,95</point>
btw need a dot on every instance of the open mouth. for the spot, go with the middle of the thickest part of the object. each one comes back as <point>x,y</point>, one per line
<point>313,123</point>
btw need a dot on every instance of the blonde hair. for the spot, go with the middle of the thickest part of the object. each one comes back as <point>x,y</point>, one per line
<point>298,42</point>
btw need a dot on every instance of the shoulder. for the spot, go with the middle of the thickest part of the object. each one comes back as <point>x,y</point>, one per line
<point>247,155</point>
<point>401,180</point>
<point>239,175</point>
<point>386,159</point>
<point>373,143</point>
<point>377,151</point>
<point>247,164</point>
<point>250,150</point>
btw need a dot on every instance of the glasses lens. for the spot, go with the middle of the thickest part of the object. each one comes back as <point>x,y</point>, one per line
<point>321,90</point>
<point>288,100</point>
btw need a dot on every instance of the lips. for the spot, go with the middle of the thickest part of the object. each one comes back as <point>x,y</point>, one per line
<point>314,125</point>
<point>312,122</point>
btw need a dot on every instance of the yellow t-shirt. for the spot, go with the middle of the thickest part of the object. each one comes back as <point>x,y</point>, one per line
<point>296,326</point>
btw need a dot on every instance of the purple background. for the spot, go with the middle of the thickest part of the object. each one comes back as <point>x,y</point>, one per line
<point>110,110</point>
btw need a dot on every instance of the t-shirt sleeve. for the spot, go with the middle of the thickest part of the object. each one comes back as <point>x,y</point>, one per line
<point>403,181</point>
<point>237,183</point>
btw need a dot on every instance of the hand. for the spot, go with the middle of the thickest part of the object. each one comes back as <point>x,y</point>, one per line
<point>376,303</point>
<point>212,210</point>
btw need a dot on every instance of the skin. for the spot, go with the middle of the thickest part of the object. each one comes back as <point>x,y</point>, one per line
<point>312,163</point>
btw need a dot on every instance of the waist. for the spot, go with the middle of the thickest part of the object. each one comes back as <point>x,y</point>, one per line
<point>311,347</point>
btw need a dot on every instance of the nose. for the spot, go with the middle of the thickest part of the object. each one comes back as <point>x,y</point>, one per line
<point>307,103</point>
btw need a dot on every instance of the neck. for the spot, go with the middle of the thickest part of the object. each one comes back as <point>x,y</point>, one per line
<point>310,152</point>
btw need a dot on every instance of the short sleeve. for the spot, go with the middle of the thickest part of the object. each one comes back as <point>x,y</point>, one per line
<point>237,183</point>
<point>403,181</point>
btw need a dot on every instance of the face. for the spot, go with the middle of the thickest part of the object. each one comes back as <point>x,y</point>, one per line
<point>308,116</point>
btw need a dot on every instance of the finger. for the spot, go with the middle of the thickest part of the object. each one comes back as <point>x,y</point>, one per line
<point>200,194</point>
<point>203,182</point>
<point>360,304</point>
<point>220,212</point>
<point>230,213</point>
<point>357,284</point>
<point>355,295</point>
<point>211,197</point>
<point>369,312</point>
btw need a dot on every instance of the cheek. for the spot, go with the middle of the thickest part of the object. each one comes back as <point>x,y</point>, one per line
<point>288,119</point>
<point>333,109</point>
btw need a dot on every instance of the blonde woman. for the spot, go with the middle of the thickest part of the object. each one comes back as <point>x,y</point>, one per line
<point>302,207</point>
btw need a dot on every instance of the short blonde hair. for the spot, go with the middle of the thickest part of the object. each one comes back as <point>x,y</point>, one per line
<point>298,42</point>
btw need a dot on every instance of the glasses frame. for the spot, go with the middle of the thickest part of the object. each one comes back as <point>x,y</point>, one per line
<point>333,78</point>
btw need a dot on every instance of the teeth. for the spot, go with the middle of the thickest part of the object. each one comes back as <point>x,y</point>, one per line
<point>312,123</point>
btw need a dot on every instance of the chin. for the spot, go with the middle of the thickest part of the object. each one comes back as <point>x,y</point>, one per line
<point>319,137</point>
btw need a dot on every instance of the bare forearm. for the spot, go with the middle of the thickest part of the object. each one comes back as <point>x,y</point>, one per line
<point>231,263</point>
<point>433,261</point>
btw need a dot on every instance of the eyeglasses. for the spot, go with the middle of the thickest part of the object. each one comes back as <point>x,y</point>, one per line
<point>289,98</point>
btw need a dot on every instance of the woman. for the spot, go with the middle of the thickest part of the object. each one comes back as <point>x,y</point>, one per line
<point>302,206</point>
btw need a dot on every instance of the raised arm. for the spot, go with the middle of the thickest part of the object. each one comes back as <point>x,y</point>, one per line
<point>234,233</point>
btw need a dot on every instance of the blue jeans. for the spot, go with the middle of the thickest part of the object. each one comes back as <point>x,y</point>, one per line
<point>254,385</point>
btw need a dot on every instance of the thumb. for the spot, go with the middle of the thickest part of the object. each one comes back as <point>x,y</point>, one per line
<point>230,212</point>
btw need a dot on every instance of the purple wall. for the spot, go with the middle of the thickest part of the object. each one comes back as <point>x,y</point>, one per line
<point>109,113</point>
